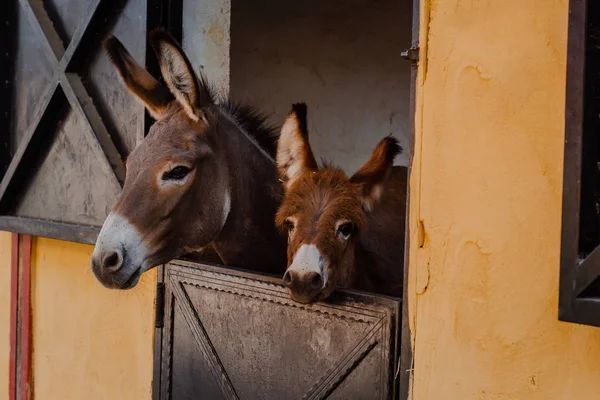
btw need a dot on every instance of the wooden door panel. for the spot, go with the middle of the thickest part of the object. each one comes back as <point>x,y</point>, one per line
<point>233,334</point>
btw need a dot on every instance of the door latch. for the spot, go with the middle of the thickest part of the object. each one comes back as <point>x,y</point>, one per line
<point>411,54</point>
<point>159,305</point>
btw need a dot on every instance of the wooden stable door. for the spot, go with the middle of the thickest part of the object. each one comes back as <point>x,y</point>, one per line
<point>228,334</point>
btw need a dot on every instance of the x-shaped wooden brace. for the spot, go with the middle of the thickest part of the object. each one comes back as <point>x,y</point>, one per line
<point>66,83</point>
<point>326,384</point>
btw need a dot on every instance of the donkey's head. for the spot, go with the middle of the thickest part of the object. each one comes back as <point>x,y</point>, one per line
<point>324,211</point>
<point>176,169</point>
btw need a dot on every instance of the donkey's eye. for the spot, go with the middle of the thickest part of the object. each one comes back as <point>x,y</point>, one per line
<point>289,225</point>
<point>176,174</point>
<point>346,229</point>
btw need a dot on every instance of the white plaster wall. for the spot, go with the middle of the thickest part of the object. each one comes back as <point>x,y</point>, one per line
<point>342,57</point>
<point>206,40</point>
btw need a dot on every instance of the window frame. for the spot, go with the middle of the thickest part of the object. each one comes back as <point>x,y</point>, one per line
<point>576,274</point>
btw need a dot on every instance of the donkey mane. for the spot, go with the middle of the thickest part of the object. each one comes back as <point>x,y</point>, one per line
<point>327,164</point>
<point>248,117</point>
<point>255,124</point>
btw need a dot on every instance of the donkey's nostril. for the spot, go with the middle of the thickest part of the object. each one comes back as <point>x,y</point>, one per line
<point>112,260</point>
<point>315,279</point>
<point>287,279</point>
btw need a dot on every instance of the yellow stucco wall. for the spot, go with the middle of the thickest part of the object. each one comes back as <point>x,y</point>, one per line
<point>483,290</point>
<point>5,259</point>
<point>89,342</point>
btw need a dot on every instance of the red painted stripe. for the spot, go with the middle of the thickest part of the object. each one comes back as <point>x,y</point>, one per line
<point>25,356</point>
<point>14,305</point>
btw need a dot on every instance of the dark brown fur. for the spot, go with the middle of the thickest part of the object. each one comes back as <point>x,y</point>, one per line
<point>215,142</point>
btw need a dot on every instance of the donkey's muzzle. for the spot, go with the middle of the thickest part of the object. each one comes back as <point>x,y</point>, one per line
<point>304,286</point>
<point>120,254</point>
<point>107,266</point>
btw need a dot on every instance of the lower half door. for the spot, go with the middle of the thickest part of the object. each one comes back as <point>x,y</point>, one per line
<point>229,334</point>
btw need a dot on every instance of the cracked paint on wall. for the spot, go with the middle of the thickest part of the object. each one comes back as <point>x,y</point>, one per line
<point>487,186</point>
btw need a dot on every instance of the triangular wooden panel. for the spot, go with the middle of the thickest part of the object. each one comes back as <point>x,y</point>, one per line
<point>121,113</point>
<point>367,387</point>
<point>191,372</point>
<point>32,75</point>
<point>70,183</point>
<point>66,16</point>
<point>268,347</point>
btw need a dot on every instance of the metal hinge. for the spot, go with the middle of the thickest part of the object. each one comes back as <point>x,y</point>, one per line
<point>159,305</point>
<point>411,54</point>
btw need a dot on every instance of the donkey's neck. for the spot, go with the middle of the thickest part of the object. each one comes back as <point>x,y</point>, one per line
<point>379,252</point>
<point>249,238</point>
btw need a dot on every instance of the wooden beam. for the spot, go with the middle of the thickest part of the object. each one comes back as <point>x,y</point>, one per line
<point>50,229</point>
<point>585,312</point>
<point>8,45</point>
<point>14,308</point>
<point>204,343</point>
<point>572,158</point>
<point>26,343</point>
<point>83,30</point>
<point>44,27</point>
<point>587,272</point>
<point>404,372</point>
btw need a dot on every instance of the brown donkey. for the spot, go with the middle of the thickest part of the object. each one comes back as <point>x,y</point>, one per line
<point>346,232</point>
<point>205,174</point>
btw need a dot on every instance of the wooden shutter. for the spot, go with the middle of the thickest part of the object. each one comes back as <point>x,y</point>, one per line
<point>69,121</point>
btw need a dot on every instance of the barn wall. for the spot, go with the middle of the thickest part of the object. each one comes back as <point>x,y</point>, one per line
<point>89,342</point>
<point>487,187</point>
<point>5,261</point>
<point>341,57</point>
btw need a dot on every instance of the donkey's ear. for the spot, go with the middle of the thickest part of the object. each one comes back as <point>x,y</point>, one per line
<point>154,95</point>
<point>372,176</point>
<point>294,155</point>
<point>179,74</point>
